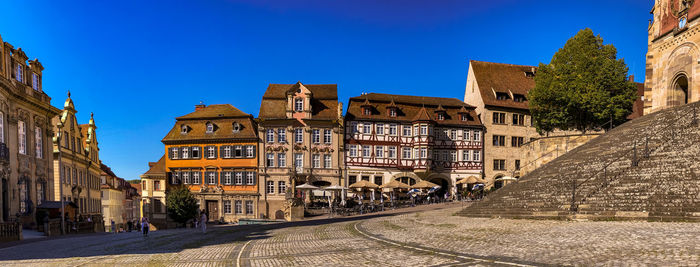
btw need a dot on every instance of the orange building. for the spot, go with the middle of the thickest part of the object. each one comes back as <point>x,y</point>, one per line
<point>212,151</point>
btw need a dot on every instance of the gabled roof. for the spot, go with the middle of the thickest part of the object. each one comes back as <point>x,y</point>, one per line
<point>215,111</point>
<point>224,117</point>
<point>324,101</point>
<point>158,168</point>
<point>503,78</point>
<point>319,91</point>
<point>411,108</point>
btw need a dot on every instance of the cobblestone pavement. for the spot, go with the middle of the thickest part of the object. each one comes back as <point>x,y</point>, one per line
<point>429,237</point>
<point>619,243</point>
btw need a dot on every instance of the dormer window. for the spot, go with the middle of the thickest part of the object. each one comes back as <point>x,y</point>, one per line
<point>441,116</point>
<point>519,98</point>
<point>210,127</point>
<point>502,96</point>
<point>392,112</point>
<point>298,105</point>
<point>366,111</point>
<point>184,129</point>
<point>236,127</point>
<point>463,117</point>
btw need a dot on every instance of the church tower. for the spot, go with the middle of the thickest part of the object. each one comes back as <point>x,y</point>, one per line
<point>673,57</point>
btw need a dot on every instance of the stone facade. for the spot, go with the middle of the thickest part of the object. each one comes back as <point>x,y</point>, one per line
<point>300,129</point>
<point>25,132</point>
<point>76,162</point>
<point>213,152</point>
<point>113,199</point>
<point>412,138</point>
<point>543,150</point>
<point>672,69</point>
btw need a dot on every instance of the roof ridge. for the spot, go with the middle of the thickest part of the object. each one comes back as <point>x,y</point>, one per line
<point>498,63</point>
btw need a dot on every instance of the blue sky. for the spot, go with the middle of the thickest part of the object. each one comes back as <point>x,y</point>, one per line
<point>139,64</point>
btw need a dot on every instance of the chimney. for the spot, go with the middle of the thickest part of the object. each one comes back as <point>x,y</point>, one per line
<point>631,78</point>
<point>201,105</point>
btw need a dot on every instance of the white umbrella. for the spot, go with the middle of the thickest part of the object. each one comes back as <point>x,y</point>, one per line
<point>334,187</point>
<point>506,178</point>
<point>306,186</point>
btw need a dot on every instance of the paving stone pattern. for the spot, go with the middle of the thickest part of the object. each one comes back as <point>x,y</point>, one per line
<point>663,186</point>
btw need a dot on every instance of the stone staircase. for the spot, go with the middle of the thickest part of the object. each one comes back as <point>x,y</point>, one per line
<point>648,169</point>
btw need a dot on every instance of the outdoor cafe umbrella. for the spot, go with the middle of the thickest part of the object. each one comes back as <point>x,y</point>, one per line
<point>423,185</point>
<point>469,180</point>
<point>393,185</point>
<point>306,187</point>
<point>506,178</point>
<point>362,184</point>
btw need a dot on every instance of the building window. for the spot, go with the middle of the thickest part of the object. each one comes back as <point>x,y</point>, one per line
<point>227,206</point>
<point>367,111</point>
<point>195,178</point>
<point>282,160</point>
<point>516,141</point>
<point>236,127</point>
<point>367,128</point>
<point>441,116</point>
<point>352,179</point>
<point>463,117</point>
<point>211,177</point>
<point>299,135</point>
<point>238,151</point>
<point>517,164</point>
<point>353,127</point>
<point>195,152</point>
<point>270,160</point>
<point>316,160</point>
<point>156,185</point>
<point>423,153</point>
<point>366,151</point>
<point>392,129</point>
<point>453,156</point>
<point>499,118</point>
<point>270,136</point>
<point>477,155</point>
<point>40,194</point>
<point>249,207</point>
<point>2,127</point>
<point>327,161</point>
<point>424,130</point>
<point>35,81</point>
<point>407,130</point>
<point>380,129</point>
<point>477,136</point>
<point>282,187</point>
<point>518,119</point>
<point>453,134</point>
<point>23,196</point>
<point>499,165</point>
<point>466,134</point>
<point>250,178</point>
<point>499,140</point>
<point>298,160</point>
<point>239,178</point>
<point>281,136</point>
<point>316,136</point>
<point>22,138</point>
<point>210,127</point>
<point>238,207</point>
<point>39,142</point>
<point>174,153</point>
<point>185,152</point>
<point>298,104</point>
<point>20,72</point>
<point>211,152</point>
<point>353,150</point>
<point>327,137</point>
<point>406,153</point>
<point>250,151</point>
<point>227,152</point>
<point>186,178</point>
<point>227,178</point>
<point>392,112</point>
<point>392,152</point>
<point>270,187</point>
<point>379,151</point>
<point>465,155</point>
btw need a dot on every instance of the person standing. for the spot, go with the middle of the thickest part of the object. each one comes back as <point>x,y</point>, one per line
<point>203,222</point>
<point>114,227</point>
<point>144,226</point>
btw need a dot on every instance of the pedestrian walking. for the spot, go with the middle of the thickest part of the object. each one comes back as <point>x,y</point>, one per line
<point>144,226</point>
<point>203,221</point>
<point>114,227</point>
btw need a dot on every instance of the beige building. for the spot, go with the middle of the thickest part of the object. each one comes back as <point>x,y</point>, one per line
<point>113,199</point>
<point>26,167</point>
<point>153,185</point>
<point>301,135</point>
<point>76,162</point>
<point>672,69</point>
<point>499,93</point>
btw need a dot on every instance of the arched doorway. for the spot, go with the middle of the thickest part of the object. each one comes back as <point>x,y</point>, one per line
<point>498,183</point>
<point>679,92</point>
<point>406,180</point>
<point>444,186</point>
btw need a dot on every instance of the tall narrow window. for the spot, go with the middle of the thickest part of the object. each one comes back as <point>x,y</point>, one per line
<point>407,130</point>
<point>210,127</point>
<point>270,160</point>
<point>299,135</point>
<point>250,151</point>
<point>327,137</point>
<point>465,155</point>
<point>238,151</point>
<point>40,194</point>
<point>327,161</point>
<point>239,178</point>
<point>477,155</point>
<point>22,138</point>
<point>2,127</point>
<point>477,136</point>
<point>392,112</point>
<point>227,152</point>
<point>316,160</point>
<point>227,206</point>
<point>270,136</point>
<point>227,178</point>
<point>211,177</point>
<point>211,152</point>
<point>19,72</point>
<point>406,153</point>
<point>23,196</point>
<point>238,207</point>
<point>379,151</point>
<point>270,188</point>
<point>281,160</point>
<point>282,187</point>
<point>380,129</point>
<point>195,177</point>
<point>186,178</point>
<point>185,152</point>
<point>250,178</point>
<point>366,151</point>
<point>316,136</point>
<point>249,207</point>
<point>298,104</point>
<point>39,141</point>
<point>281,136</point>
<point>392,129</point>
<point>298,161</point>
<point>35,81</point>
<point>392,152</point>
<point>353,151</point>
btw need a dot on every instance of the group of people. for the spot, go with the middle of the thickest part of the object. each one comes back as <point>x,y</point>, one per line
<point>201,222</point>
<point>143,225</point>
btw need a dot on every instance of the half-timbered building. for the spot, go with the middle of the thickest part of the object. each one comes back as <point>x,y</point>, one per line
<point>412,138</point>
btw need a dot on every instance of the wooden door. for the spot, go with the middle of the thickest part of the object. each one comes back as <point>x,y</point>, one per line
<point>213,211</point>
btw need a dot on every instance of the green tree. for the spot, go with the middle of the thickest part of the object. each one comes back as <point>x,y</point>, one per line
<point>583,87</point>
<point>181,204</point>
